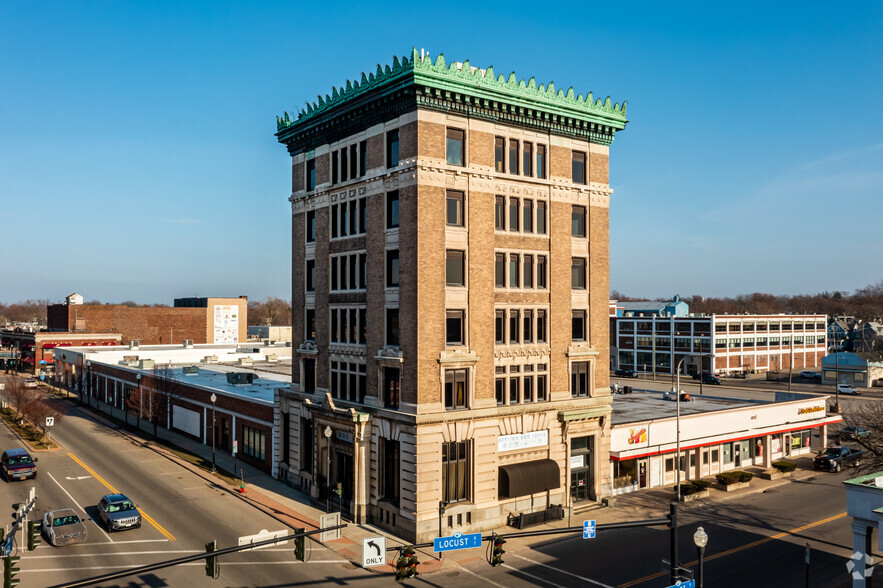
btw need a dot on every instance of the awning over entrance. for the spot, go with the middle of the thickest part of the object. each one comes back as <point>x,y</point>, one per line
<point>529,477</point>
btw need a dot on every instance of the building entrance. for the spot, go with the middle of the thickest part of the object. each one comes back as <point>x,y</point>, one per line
<point>582,468</point>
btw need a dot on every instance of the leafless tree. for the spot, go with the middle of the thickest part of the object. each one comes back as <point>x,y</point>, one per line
<point>164,388</point>
<point>868,414</point>
<point>41,409</point>
<point>19,396</point>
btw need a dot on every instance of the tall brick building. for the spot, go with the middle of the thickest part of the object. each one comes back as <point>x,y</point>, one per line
<point>450,291</point>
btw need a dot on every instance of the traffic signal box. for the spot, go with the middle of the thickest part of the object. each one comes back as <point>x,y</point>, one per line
<point>406,566</point>
<point>300,545</point>
<point>10,571</point>
<point>498,551</point>
<point>212,565</point>
<point>33,535</point>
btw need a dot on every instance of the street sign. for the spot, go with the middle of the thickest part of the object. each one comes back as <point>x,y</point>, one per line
<point>235,446</point>
<point>331,519</point>
<point>263,536</point>
<point>373,551</point>
<point>684,584</point>
<point>588,529</point>
<point>50,421</point>
<point>457,541</point>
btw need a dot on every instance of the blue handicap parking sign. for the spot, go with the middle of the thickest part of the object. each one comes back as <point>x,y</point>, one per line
<point>588,529</point>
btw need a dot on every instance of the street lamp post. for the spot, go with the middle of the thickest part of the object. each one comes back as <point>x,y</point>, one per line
<point>214,398</point>
<point>836,381</point>
<point>327,432</point>
<point>700,538</point>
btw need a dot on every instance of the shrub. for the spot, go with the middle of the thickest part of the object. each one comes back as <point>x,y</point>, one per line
<point>745,476</point>
<point>701,484</point>
<point>727,478</point>
<point>784,465</point>
<point>687,488</point>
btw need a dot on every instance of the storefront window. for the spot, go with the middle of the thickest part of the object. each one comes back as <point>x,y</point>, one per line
<point>728,452</point>
<point>624,473</point>
<point>669,464</point>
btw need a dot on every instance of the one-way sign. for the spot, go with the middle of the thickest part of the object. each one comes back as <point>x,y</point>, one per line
<point>373,551</point>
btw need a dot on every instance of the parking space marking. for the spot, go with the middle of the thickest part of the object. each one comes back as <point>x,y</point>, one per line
<point>80,507</point>
<point>146,517</point>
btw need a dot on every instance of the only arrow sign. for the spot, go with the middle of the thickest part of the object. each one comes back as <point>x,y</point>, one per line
<point>375,546</point>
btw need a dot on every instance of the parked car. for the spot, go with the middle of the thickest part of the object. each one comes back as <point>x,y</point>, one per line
<point>847,389</point>
<point>811,375</point>
<point>17,464</point>
<point>851,433</point>
<point>834,459</point>
<point>710,379</point>
<point>30,383</point>
<point>625,373</point>
<point>63,527</point>
<point>118,512</point>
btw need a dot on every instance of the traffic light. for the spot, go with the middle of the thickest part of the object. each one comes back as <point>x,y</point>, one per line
<point>212,565</point>
<point>9,571</point>
<point>498,551</point>
<point>406,566</point>
<point>33,535</point>
<point>300,545</point>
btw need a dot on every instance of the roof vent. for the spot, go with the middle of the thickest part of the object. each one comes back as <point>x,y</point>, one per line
<point>188,343</point>
<point>191,370</point>
<point>134,343</point>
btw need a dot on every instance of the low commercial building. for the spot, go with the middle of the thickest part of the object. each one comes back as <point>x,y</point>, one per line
<point>34,351</point>
<point>861,370</point>
<point>716,434</point>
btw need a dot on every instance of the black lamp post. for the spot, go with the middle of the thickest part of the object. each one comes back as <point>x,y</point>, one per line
<point>214,399</point>
<point>327,432</point>
<point>700,538</point>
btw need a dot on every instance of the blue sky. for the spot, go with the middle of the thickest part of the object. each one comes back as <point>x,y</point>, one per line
<point>138,162</point>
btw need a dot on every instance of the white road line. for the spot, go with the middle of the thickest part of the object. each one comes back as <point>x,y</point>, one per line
<point>560,571</point>
<point>537,578</point>
<point>467,570</point>
<point>194,488</point>
<point>169,473</point>
<point>97,526</point>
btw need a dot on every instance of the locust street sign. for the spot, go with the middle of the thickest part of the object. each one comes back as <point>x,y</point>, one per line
<point>373,551</point>
<point>457,541</point>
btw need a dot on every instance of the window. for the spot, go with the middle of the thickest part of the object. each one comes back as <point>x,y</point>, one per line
<point>392,326</point>
<point>354,161</point>
<point>527,216</point>
<point>254,442</point>
<point>310,324</point>
<point>499,148</point>
<point>500,327</point>
<point>334,284</point>
<point>514,385</point>
<point>527,389</point>
<point>527,159</point>
<point>363,158</point>
<point>311,174</point>
<point>513,326</point>
<point>500,390</point>
<point>392,148</point>
<point>500,213</point>
<point>334,173</point>
<point>455,471</point>
<point>454,323</point>
<point>311,226</point>
<point>455,268</point>
<point>392,268</point>
<point>541,217</point>
<point>513,214</point>
<point>513,270</point>
<point>455,201</point>
<point>500,270</point>
<point>513,156</point>
<point>389,481</point>
<point>363,207</point>
<point>346,273</point>
<point>541,326</point>
<point>527,273</point>
<point>578,325</point>
<point>348,381</point>
<point>455,143</point>
<point>579,379</point>
<point>391,387</point>
<point>578,221</point>
<point>363,271</point>
<point>392,209</point>
<point>527,330</point>
<point>455,389</point>
<point>311,275</point>
<point>579,167</point>
<point>541,271</point>
<point>306,445</point>
<point>344,165</point>
<point>541,161</point>
<point>578,273</point>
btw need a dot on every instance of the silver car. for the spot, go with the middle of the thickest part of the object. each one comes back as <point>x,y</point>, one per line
<point>118,512</point>
<point>63,527</point>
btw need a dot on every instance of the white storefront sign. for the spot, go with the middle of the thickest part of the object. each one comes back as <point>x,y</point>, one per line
<point>577,461</point>
<point>522,441</point>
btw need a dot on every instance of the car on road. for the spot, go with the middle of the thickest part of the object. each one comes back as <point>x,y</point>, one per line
<point>834,459</point>
<point>811,375</point>
<point>710,379</point>
<point>63,527</point>
<point>847,389</point>
<point>118,512</point>
<point>625,373</point>
<point>30,383</point>
<point>17,464</point>
<point>852,433</point>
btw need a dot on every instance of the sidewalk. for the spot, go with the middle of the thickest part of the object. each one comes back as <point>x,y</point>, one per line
<point>292,508</point>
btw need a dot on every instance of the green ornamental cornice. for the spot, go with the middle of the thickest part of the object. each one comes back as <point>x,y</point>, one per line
<point>437,82</point>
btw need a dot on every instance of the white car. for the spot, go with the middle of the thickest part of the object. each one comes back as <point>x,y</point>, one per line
<point>847,389</point>
<point>63,527</point>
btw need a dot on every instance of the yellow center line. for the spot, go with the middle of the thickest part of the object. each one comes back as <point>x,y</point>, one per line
<point>113,490</point>
<point>738,549</point>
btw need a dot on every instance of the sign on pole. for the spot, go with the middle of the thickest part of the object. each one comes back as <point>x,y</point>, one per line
<point>50,421</point>
<point>588,529</point>
<point>235,445</point>
<point>331,519</point>
<point>457,541</point>
<point>684,584</point>
<point>263,536</point>
<point>373,551</point>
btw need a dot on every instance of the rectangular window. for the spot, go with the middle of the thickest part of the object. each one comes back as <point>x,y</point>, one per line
<point>578,273</point>
<point>354,161</point>
<point>513,270</point>
<point>578,221</point>
<point>541,161</point>
<point>354,217</point>
<point>353,262</point>
<point>363,158</point>
<point>392,209</point>
<point>344,165</point>
<point>363,326</point>
<point>514,389</point>
<point>311,275</point>
<point>541,326</point>
<point>363,209</point>
<point>527,216</point>
<point>454,323</point>
<point>500,213</point>
<point>541,271</point>
<point>306,445</point>
<point>527,159</point>
<point>333,221</point>
<point>333,313</point>
<point>455,471</point>
<point>392,148</point>
<point>500,327</point>
<point>500,270</point>
<point>391,387</point>
<point>499,148</point>
<point>343,219</point>
<point>455,268</point>
<point>310,324</point>
<point>455,202</point>
<point>527,327</point>
<point>392,268</point>
<point>579,167</point>
<point>333,167</point>
<point>513,214</point>
<point>514,317</point>
<point>541,387</point>
<point>541,217</point>
<point>513,156</point>
<point>527,273</point>
<point>579,379</point>
<point>389,487</point>
<point>311,226</point>
<point>578,325</point>
<point>254,443</point>
<point>527,389</point>
<point>455,389</point>
<point>392,326</point>
<point>334,273</point>
<point>456,139</point>
<point>363,271</point>
<point>311,174</point>
<point>500,390</point>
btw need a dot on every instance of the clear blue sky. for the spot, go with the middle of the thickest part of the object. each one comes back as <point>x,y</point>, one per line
<point>138,162</point>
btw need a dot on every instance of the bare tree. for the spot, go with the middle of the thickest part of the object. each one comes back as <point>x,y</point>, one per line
<point>868,414</point>
<point>19,396</point>
<point>164,388</point>
<point>41,409</point>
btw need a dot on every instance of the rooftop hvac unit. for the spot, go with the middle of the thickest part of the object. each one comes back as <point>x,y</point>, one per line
<point>188,343</point>
<point>271,357</point>
<point>191,370</point>
<point>269,342</point>
<point>147,364</point>
<point>245,361</point>
<point>211,359</point>
<point>134,343</point>
<point>240,378</point>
